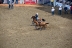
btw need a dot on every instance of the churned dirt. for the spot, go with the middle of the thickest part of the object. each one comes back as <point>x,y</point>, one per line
<point>16,30</point>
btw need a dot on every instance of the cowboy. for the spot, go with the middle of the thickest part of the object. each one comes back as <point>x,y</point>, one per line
<point>11,4</point>
<point>52,10</point>
<point>37,18</point>
<point>52,2</point>
<point>71,9</point>
<point>36,15</point>
<point>66,9</point>
<point>60,10</point>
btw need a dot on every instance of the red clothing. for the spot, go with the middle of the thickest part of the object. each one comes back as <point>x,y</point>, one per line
<point>71,8</point>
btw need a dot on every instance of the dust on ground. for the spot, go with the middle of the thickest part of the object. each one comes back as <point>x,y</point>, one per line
<point>16,30</point>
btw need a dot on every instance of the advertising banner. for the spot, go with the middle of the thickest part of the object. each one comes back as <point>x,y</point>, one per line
<point>30,1</point>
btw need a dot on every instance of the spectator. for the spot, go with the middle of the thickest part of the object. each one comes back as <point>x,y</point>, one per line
<point>0,1</point>
<point>60,1</point>
<point>60,10</point>
<point>71,3</point>
<point>71,9</point>
<point>66,9</point>
<point>11,4</point>
<point>52,2</point>
<point>57,0</point>
<point>68,2</point>
<point>48,2</point>
<point>52,10</point>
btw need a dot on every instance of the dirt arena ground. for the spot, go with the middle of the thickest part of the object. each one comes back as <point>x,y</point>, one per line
<point>16,30</point>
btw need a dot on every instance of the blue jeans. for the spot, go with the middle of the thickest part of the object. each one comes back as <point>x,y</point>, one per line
<point>16,1</point>
<point>10,6</point>
<point>52,12</point>
<point>59,12</point>
<point>66,11</point>
<point>71,11</point>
